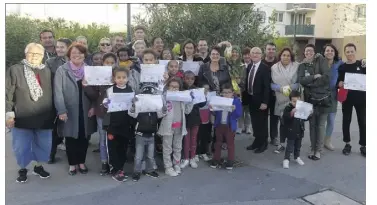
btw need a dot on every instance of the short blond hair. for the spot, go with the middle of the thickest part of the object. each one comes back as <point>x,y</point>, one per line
<point>31,45</point>
<point>138,42</point>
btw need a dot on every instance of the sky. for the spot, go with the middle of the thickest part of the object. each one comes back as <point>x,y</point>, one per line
<point>115,15</point>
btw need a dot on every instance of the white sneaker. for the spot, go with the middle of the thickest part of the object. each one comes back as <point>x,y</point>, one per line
<point>170,172</point>
<point>286,164</point>
<point>177,169</point>
<point>239,130</point>
<point>248,131</point>
<point>184,163</point>
<point>62,147</point>
<point>196,158</point>
<point>205,157</point>
<point>193,163</point>
<point>299,161</point>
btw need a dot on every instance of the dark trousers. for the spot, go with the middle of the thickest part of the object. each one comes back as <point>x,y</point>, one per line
<point>117,151</point>
<point>204,138</point>
<point>224,132</point>
<point>274,119</point>
<point>56,140</point>
<point>293,146</point>
<point>360,108</point>
<point>76,149</point>
<point>259,122</point>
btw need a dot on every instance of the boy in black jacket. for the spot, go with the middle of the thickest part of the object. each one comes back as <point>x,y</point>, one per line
<point>294,129</point>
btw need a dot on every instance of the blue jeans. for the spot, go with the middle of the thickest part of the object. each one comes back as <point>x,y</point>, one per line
<point>102,140</point>
<point>144,144</point>
<point>330,124</point>
<point>31,145</point>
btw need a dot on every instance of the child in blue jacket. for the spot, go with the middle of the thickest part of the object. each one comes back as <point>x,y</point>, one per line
<point>225,127</point>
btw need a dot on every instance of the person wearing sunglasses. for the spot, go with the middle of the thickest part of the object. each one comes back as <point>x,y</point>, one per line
<point>105,45</point>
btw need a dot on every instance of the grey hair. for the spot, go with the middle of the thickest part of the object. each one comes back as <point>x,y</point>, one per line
<point>81,37</point>
<point>138,42</point>
<point>30,45</point>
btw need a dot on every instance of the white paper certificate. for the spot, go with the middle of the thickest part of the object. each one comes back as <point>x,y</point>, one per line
<point>98,75</point>
<point>163,62</point>
<point>303,110</point>
<point>148,103</point>
<point>152,73</point>
<point>355,81</point>
<point>221,103</point>
<point>210,94</point>
<point>199,96</point>
<point>120,102</point>
<point>181,96</point>
<point>191,66</point>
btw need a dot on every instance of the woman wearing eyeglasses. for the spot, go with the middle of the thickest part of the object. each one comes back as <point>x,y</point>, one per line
<point>105,45</point>
<point>30,111</point>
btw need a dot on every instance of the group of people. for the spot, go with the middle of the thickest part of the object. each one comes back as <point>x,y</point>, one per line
<point>48,100</point>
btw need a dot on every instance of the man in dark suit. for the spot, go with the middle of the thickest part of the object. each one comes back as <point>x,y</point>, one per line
<point>257,85</point>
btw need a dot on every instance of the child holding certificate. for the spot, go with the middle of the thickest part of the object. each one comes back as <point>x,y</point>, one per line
<point>225,127</point>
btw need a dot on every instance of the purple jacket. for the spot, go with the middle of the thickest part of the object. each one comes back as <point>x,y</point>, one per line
<point>232,117</point>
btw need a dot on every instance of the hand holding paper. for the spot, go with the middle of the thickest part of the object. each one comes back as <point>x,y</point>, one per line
<point>98,75</point>
<point>181,96</point>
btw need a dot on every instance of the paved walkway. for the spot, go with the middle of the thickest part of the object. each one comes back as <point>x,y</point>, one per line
<point>260,181</point>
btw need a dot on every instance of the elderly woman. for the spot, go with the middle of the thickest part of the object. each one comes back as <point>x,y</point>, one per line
<point>73,105</point>
<point>284,80</point>
<point>314,75</point>
<point>30,111</point>
<point>53,64</point>
<point>105,45</point>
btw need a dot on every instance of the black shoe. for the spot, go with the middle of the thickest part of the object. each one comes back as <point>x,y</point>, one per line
<point>105,169</point>
<point>261,149</point>
<point>153,174</point>
<point>363,151</point>
<point>72,172</point>
<point>214,164</point>
<point>96,151</point>
<point>347,149</point>
<point>229,165</point>
<point>144,172</point>
<point>252,146</point>
<point>22,176</point>
<point>119,176</point>
<point>136,176</point>
<point>83,171</point>
<point>51,160</point>
<point>39,171</point>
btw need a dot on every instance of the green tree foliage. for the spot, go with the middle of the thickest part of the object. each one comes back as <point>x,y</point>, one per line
<point>19,31</point>
<point>237,23</point>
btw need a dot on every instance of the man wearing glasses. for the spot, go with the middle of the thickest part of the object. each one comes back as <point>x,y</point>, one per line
<point>47,39</point>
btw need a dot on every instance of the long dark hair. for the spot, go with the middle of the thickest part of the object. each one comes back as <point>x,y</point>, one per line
<point>188,41</point>
<point>336,52</point>
<point>290,52</point>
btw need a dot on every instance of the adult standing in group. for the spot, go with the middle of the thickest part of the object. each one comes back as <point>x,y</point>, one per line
<point>257,85</point>
<point>117,43</point>
<point>47,38</point>
<point>73,105</point>
<point>188,52</point>
<point>203,51</point>
<point>354,98</point>
<point>270,59</point>
<point>84,41</point>
<point>157,45</point>
<point>139,47</point>
<point>53,64</point>
<point>139,34</point>
<point>245,120</point>
<point>284,80</point>
<point>105,45</point>
<point>333,61</point>
<point>314,76</point>
<point>29,111</point>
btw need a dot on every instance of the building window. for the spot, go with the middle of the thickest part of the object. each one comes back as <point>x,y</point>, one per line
<point>279,17</point>
<point>308,21</point>
<point>262,16</point>
<point>361,11</point>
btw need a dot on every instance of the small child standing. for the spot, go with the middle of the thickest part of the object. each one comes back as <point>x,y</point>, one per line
<point>172,129</point>
<point>192,125</point>
<point>294,129</point>
<point>146,127</point>
<point>117,125</point>
<point>205,130</point>
<point>226,126</point>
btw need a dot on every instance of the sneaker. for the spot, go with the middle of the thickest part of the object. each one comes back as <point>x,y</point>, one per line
<point>119,176</point>
<point>299,161</point>
<point>153,174</point>
<point>177,169</point>
<point>286,164</point>
<point>205,157</point>
<point>347,149</point>
<point>229,165</point>
<point>184,163</point>
<point>239,130</point>
<point>363,151</point>
<point>105,169</point>
<point>170,172</point>
<point>279,149</point>
<point>214,164</point>
<point>62,146</point>
<point>193,163</point>
<point>136,176</point>
<point>196,158</point>
<point>39,171</point>
<point>248,131</point>
<point>22,176</point>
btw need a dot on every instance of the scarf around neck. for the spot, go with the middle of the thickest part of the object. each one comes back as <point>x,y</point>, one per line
<point>78,72</point>
<point>34,87</point>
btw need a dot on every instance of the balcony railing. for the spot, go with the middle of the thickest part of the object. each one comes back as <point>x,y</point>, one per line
<point>302,6</point>
<point>307,30</point>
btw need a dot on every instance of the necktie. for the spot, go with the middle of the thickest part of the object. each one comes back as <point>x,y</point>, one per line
<point>251,79</point>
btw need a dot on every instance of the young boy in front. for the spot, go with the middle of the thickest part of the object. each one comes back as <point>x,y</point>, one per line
<point>294,129</point>
<point>225,127</point>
